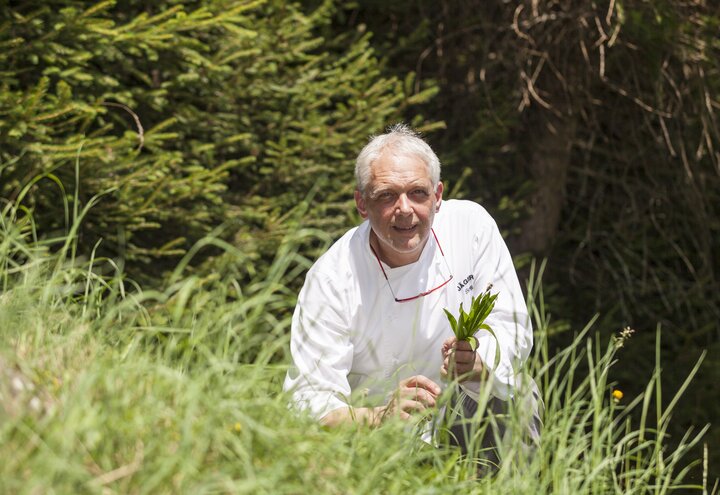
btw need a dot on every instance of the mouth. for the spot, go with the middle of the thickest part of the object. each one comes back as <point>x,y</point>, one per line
<point>405,230</point>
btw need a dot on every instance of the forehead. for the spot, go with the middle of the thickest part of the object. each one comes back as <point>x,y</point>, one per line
<point>398,170</point>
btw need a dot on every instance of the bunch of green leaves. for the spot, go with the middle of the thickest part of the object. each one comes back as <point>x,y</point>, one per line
<point>468,324</point>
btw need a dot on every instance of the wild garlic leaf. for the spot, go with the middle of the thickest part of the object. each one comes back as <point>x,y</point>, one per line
<point>452,320</point>
<point>468,324</point>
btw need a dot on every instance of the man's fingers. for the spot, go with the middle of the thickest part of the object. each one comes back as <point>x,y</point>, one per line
<point>463,345</point>
<point>463,357</point>
<point>457,368</point>
<point>418,394</point>
<point>411,406</point>
<point>444,371</point>
<point>460,361</point>
<point>447,346</point>
<point>421,382</point>
<point>455,346</point>
<point>404,408</point>
<point>414,395</point>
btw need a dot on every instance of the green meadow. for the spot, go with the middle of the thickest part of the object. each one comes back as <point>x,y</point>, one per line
<point>109,388</point>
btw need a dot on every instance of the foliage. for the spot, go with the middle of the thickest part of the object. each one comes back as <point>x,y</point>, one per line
<point>142,391</point>
<point>185,116</point>
<point>466,325</point>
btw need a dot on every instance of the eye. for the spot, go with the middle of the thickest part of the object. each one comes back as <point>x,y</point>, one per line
<point>420,192</point>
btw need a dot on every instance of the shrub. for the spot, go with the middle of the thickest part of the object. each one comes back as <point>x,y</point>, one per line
<point>184,116</point>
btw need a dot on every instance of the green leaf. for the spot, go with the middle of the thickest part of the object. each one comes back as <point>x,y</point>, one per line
<point>452,320</point>
<point>461,333</point>
<point>485,326</point>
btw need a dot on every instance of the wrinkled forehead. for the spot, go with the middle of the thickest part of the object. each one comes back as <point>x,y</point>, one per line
<point>399,167</point>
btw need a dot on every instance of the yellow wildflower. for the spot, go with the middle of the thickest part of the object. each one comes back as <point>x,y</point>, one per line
<point>238,427</point>
<point>617,395</point>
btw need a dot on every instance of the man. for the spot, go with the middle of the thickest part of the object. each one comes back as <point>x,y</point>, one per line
<point>369,337</point>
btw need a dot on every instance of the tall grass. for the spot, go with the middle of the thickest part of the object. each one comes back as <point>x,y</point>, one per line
<point>107,388</point>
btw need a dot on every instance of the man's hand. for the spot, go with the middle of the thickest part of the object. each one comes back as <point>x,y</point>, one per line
<point>460,361</point>
<point>414,395</point>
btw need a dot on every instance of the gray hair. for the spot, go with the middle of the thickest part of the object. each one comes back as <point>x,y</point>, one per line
<point>401,140</point>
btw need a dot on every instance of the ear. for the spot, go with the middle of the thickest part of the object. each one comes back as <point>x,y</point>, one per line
<point>360,204</point>
<point>438,196</point>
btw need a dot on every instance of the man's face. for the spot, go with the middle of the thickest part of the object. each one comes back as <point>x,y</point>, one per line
<point>400,203</point>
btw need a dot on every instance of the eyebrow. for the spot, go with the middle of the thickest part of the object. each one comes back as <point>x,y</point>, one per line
<point>377,192</point>
<point>419,184</point>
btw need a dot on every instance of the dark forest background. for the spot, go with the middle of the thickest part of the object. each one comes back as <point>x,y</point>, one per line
<point>588,129</point>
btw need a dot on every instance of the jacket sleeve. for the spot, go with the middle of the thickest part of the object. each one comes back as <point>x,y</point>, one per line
<point>320,347</point>
<point>509,318</point>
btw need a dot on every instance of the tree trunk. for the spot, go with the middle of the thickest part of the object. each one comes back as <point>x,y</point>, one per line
<point>549,140</point>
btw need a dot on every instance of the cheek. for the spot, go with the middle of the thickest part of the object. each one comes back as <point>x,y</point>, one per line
<point>384,213</point>
<point>380,216</point>
<point>426,213</point>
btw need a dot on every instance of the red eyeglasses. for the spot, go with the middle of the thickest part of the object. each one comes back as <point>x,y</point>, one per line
<point>422,294</point>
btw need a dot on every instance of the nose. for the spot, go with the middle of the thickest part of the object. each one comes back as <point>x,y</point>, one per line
<point>403,205</point>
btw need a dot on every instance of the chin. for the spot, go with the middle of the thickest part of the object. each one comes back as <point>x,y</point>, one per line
<point>406,247</point>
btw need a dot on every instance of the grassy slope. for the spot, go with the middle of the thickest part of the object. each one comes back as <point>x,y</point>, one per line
<point>105,389</point>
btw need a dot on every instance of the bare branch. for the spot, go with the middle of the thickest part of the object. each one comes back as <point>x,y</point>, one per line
<point>516,27</point>
<point>531,89</point>
<point>603,36</point>
<point>584,51</point>
<point>609,15</point>
<point>666,135</point>
<point>637,101</point>
<point>614,35</point>
<point>141,132</point>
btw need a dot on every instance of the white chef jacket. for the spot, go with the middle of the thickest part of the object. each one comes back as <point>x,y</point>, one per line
<point>352,343</point>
